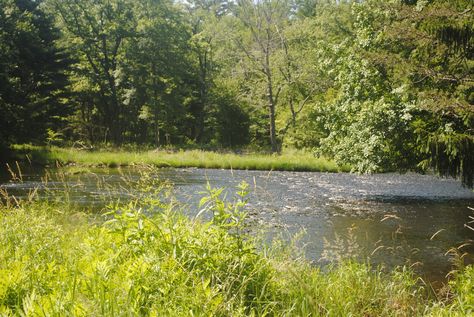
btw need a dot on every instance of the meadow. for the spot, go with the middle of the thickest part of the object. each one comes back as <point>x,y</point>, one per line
<point>287,161</point>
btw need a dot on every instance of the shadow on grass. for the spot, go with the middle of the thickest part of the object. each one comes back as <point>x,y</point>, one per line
<point>35,155</point>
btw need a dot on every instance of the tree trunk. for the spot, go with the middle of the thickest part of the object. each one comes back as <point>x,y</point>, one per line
<point>199,111</point>
<point>271,112</point>
<point>271,100</point>
<point>273,140</point>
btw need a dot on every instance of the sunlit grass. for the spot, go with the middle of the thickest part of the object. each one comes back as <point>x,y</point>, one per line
<point>288,161</point>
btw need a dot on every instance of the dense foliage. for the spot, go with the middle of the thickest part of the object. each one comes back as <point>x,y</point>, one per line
<point>380,85</point>
<point>32,73</point>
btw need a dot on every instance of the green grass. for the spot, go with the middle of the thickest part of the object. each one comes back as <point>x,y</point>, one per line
<point>290,161</point>
<point>58,261</point>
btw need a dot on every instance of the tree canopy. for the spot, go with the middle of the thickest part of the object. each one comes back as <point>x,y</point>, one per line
<point>380,85</point>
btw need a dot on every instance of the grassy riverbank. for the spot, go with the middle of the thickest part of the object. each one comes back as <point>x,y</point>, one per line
<point>291,161</point>
<point>58,261</point>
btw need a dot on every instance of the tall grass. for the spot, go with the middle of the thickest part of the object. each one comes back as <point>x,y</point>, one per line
<point>289,161</point>
<point>146,259</point>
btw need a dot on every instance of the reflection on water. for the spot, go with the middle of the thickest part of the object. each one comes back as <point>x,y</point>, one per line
<point>395,215</point>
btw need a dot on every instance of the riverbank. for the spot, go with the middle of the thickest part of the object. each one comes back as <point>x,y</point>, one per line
<point>126,263</point>
<point>290,161</point>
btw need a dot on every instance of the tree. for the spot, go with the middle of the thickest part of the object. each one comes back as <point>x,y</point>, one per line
<point>98,31</point>
<point>159,70</point>
<point>401,91</point>
<point>435,50</point>
<point>204,18</point>
<point>261,37</point>
<point>426,49</point>
<point>32,73</point>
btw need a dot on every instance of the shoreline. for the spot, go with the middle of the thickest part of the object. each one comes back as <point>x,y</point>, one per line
<point>288,161</point>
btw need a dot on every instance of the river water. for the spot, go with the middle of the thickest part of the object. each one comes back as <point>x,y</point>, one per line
<point>386,219</point>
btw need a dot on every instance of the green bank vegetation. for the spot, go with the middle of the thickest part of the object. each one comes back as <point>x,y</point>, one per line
<point>144,258</point>
<point>290,161</point>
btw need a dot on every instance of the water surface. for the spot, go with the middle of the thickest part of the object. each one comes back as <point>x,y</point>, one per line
<point>387,219</point>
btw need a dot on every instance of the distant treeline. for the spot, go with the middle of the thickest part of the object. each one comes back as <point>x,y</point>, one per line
<point>377,84</point>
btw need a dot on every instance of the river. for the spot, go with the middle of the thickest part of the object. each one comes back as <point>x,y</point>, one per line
<point>386,219</point>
